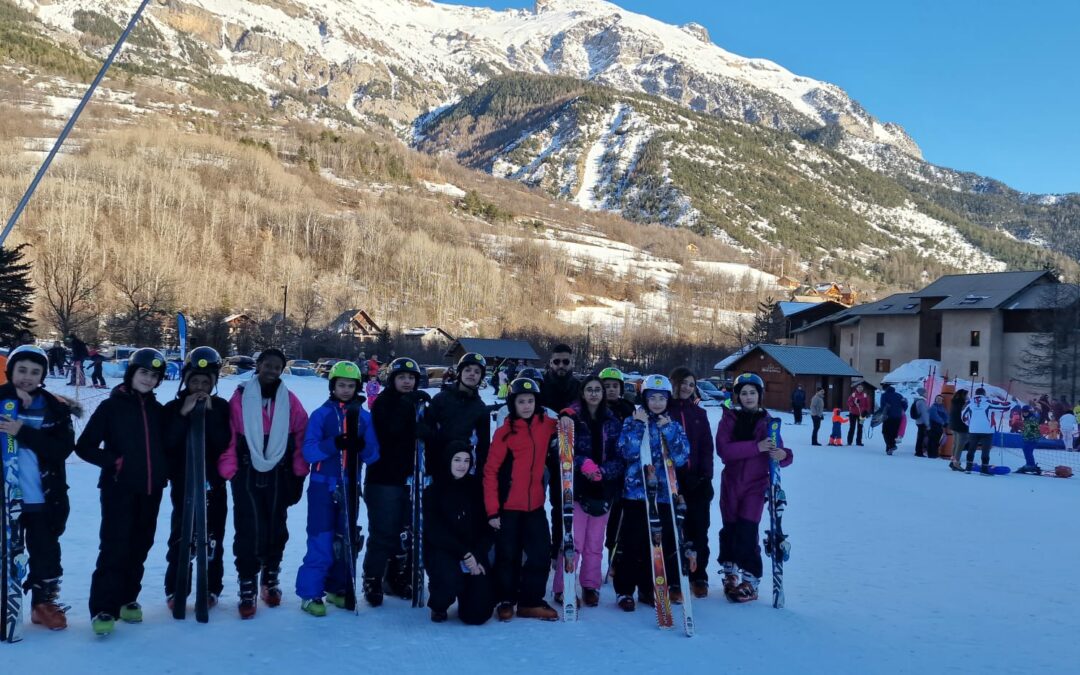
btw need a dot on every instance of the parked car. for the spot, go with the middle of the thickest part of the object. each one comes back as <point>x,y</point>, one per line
<point>235,365</point>
<point>435,375</point>
<point>708,400</point>
<point>300,367</point>
<point>323,366</point>
<point>709,388</point>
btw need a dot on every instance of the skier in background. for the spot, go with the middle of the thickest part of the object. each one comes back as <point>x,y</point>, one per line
<point>743,444</point>
<point>198,379</point>
<point>978,416</point>
<point>98,361</point>
<point>41,424</point>
<point>57,356</point>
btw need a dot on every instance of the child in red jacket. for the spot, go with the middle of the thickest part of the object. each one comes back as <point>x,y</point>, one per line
<point>838,419</point>
<point>514,498</point>
<point>743,443</point>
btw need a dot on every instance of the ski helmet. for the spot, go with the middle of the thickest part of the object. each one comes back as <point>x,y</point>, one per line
<point>472,359</point>
<point>612,373</point>
<point>345,369</point>
<point>201,360</point>
<point>522,385</point>
<point>533,374</point>
<point>28,353</point>
<point>748,378</point>
<point>655,383</point>
<point>148,358</point>
<point>401,366</point>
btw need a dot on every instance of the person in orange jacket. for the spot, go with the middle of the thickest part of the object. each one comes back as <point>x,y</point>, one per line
<point>514,498</point>
<point>838,419</point>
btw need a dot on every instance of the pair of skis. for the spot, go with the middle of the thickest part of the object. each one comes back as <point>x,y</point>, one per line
<point>195,542</point>
<point>13,555</point>
<point>569,551</point>
<point>415,535</point>
<point>661,592</point>
<point>347,538</point>
<point>777,546</point>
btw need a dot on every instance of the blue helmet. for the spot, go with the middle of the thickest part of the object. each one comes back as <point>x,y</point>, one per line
<point>748,378</point>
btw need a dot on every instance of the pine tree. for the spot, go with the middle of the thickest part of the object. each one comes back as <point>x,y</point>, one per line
<point>15,294</point>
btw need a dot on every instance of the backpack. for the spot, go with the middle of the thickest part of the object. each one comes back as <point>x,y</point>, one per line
<point>913,412</point>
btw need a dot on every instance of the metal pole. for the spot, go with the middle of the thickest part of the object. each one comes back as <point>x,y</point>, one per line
<point>71,123</point>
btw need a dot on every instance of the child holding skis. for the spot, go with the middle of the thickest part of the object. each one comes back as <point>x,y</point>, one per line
<point>598,475</point>
<point>266,467</point>
<point>40,423</point>
<point>633,560</point>
<point>126,438</point>
<point>386,492</point>
<point>198,378</point>
<point>457,539</point>
<point>514,500</point>
<point>339,433</point>
<point>744,446</point>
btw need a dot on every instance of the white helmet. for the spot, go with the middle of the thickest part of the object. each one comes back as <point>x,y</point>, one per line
<point>656,383</point>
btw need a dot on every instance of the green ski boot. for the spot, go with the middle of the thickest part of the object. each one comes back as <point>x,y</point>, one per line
<point>314,607</point>
<point>336,600</point>
<point>103,624</point>
<point>131,613</point>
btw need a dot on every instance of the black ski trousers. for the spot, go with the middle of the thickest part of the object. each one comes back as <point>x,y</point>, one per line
<point>447,583</point>
<point>983,442</point>
<point>633,561</point>
<point>42,526</point>
<point>933,440</point>
<point>260,517</point>
<point>523,582</point>
<point>739,546</point>
<point>854,430</point>
<point>389,509</point>
<point>890,428</point>
<point>217,510</point>
<point>696,527</point>
<point>128,523</point>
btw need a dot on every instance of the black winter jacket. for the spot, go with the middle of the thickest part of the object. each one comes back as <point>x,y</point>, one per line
<point>457,415</point>
<point>394,418</point>
<point>455,520</point>
<point>218,435</point>
<point>129,427</point>
<point>557,393</point>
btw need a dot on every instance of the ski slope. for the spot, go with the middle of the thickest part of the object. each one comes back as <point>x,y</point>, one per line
<point>898,565</point>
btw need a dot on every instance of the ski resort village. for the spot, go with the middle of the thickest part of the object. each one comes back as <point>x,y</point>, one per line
<point>553,335</point>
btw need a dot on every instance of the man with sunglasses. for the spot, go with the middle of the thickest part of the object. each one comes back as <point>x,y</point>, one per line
<point>558,390</point>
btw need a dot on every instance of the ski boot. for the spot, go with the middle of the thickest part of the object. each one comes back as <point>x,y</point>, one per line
<point>131,613</point>
<point>335,599</point>
<point>984,470</point>
<point>731,586</point>
<point>591,597</point>
<point>747,590</point>
<point>1029,468</point>
<point>398,579</point>
<point>505,611</point>
<point>373,591</point>
<point>47,610</point>
<point>675,595</point>
<point>438,615</point>
<point>626,603</point>
<point>271,588</point>
<point>543,611</point>
<point>247,604</point>
<point>700,588</point>
<point>315,607</point>
<point>103,624</point>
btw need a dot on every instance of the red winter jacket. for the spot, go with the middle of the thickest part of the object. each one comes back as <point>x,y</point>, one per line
<point>528,447</point>
<point>858,404</point>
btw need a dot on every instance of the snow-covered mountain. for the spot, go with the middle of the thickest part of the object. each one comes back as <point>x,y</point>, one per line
<point>398,58</point>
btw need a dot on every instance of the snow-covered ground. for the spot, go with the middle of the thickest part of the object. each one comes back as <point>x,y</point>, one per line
<point>898,566</point>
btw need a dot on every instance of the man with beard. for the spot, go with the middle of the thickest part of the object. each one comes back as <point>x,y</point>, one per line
<point>558,390</point>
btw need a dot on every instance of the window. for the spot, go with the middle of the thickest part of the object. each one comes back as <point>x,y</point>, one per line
<point>911,306</point>
<point>851,339</point>
<point>973,299</point>
<point>881,339</point>
<point>973,369</point>
<point>974,338</point>
<point>882,366</point>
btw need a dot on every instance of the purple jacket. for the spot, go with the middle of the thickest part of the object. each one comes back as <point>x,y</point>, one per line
<point>695,421</point>
<point>746,470</point>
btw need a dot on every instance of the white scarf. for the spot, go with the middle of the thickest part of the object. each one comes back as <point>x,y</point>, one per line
<point>265,458</point>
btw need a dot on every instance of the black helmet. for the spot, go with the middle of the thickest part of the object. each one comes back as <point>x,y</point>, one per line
<point>401,366</point>
<point>533,374</point>
<point>148,358</point>
<point>523,385</point>
<point>472,359</point>
<point>202,360</point>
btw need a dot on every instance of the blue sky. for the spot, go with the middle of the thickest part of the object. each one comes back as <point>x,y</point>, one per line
<point>991,87</point>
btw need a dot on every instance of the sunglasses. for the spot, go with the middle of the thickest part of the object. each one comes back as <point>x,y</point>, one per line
<point>560,362</point>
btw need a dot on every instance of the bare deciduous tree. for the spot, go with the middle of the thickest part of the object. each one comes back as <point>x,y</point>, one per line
<point>69,280</point>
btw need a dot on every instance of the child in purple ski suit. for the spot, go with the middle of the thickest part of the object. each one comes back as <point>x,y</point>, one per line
<point>743,444</point>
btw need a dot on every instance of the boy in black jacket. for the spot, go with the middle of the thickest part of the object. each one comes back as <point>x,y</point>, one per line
<point>198,379</point>
<point>41,425</point>
<point>125,437</point>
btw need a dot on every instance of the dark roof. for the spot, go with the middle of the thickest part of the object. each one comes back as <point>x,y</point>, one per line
<point>789,308</point>
<point>1045,296</point>
<point>979,291</point>
<point>898,304</point>
<point>497,349</point>
<point>808,360</point>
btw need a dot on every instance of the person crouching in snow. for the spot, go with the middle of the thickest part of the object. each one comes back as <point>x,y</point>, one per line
<point>126,438</point>
<point>40,423</point>
<point>633,558</point>
<point>387,492</point>
<point>744,446</point>
<point>266,467</point>
<point>457,539</point>
<point>339,434</point>
<point>198,378</point>
<point>514,500</point>
<point>836,437</point>
<point>598,477</point>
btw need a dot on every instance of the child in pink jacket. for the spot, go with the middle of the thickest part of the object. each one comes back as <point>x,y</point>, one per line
<point>266,466</point>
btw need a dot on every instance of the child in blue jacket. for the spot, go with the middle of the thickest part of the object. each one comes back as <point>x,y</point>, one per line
<point>339,433</point>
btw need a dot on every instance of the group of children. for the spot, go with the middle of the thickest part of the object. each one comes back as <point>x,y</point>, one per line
<point>487,491</point>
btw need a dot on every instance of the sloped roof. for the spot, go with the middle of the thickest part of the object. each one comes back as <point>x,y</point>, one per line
<point>1045,296</point>
<point>498,349</point>
<point>898,304</point>
<point>808,360</point>
<point>979,291</point>
<point>789,308</point>
<point>725,363</point>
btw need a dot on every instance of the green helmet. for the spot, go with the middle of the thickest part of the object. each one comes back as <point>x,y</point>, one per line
<point>345,369</point>
<point>611,373</point>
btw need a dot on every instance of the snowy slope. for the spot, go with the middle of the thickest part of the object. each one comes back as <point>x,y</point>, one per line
<point>906,568</point>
